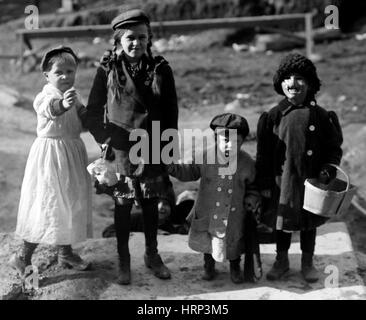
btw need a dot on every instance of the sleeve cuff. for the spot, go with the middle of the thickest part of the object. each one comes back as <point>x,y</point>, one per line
<point>57,108</point>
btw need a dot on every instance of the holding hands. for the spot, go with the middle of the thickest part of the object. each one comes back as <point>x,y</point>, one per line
<point>70,98</point>
<point>252,203</point>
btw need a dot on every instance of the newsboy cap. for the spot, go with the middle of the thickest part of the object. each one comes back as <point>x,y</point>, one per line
<point>53,52</point>
<point>231,121</point>
<point>128,17</point>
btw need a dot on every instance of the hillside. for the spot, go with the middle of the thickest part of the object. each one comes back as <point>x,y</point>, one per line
<point>100,11</point>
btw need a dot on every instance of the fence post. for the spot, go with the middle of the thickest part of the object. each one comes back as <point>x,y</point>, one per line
<point>309,34</point>
<point>21,51</point>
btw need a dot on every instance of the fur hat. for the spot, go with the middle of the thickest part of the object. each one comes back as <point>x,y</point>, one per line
<point>296,63</point>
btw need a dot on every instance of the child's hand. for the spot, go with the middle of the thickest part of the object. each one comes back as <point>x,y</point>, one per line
<point>70,98</point>
<point>140,168</point>
<point>106,57</point>
<point>251,203</point>
<point>107,150</point>
<point>327,174</point>
<point>103,146</point>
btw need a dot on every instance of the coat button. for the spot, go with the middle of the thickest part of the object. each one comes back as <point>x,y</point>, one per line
<point>230,191</point>
<point>230,177</point>
<point>217,204</point>
<point>312,103</point>
<point>215,216</point>
<point>312,128</point>
<point>233,209</point>
<point>223,176</point>
<point>309,152</point>
<point>218,189</point>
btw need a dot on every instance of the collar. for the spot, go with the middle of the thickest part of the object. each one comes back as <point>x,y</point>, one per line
<point>286,106</point>
<point>52,90</point>
<point>134,69</point>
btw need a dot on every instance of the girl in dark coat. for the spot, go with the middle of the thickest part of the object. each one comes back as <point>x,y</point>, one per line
<point>297,139</point>
<point>137,90</point>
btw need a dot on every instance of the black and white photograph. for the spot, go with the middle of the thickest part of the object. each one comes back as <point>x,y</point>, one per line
<point>183,157</point>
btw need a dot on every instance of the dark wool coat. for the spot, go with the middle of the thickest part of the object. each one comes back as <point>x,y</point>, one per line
<point>293,143</point>
<point>136,108</point>
<point>138,105</point>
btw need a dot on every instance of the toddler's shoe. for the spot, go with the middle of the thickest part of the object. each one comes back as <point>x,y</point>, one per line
<point>17,263</point>
<point>208,267</point>
<point>209,274</point>
<point>74,261</point>
<point>235,273</point>
<point>68,259</point>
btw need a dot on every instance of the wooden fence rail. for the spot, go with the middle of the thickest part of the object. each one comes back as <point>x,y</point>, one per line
<point>276,21</point>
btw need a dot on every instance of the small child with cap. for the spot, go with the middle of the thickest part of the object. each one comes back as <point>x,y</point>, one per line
<point>135,90</point>
<point>297,139</point>
<point>55,200</point>
<point>226,192</point>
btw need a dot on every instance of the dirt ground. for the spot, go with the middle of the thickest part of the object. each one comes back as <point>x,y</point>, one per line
<point>99,283</point>
<point>208,75</point>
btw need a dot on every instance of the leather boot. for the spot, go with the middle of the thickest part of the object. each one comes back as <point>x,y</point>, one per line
<point>17,262</point>
<point>208,267</point>
<point>124,271</point>
<point>21,261</point>
<point>152,258</point>
<point>249,268</point>
<point>309,272</point>
<point>280,266</point>
<point>122,229</point>
<point>68,259</point>
<point>235,273</point>
<point>155,263</point>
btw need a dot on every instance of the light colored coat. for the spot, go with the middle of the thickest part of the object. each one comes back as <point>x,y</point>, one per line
<point>219,209</point>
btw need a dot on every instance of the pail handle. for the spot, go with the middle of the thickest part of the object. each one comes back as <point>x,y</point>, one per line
<point>347,187</point>
<point>344,173</point>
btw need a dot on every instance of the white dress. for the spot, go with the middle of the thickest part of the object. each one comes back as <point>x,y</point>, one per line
<point>55,201</point>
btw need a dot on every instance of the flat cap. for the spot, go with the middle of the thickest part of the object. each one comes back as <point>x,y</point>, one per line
<point>231,121</point>
<point>55,51</point>
<point>128,17</point>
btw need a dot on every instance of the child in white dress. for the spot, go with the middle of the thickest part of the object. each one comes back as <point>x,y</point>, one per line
<point>55,201</point>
